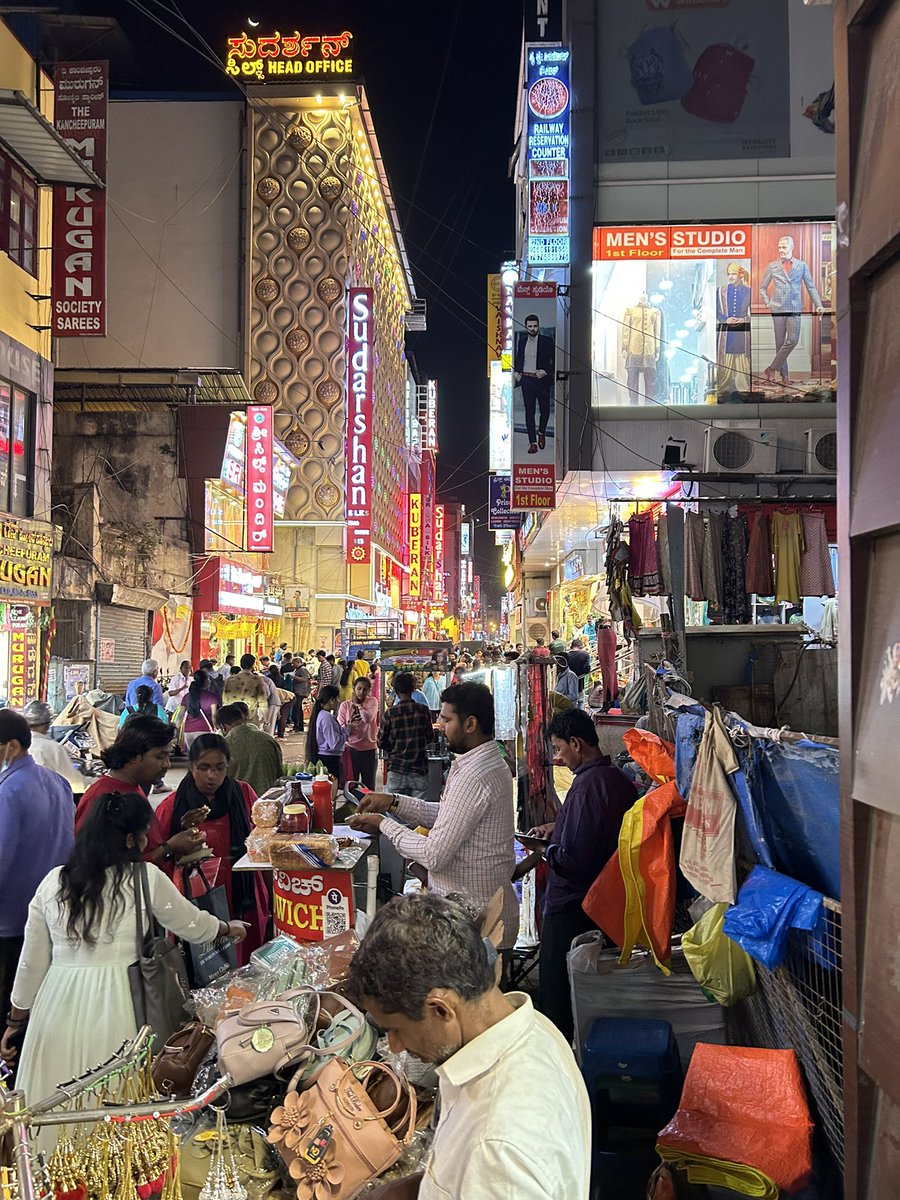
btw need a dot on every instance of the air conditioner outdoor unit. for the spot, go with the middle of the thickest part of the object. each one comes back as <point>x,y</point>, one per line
<point>739,448</point>
<point>821,450</point>
<point>540,605</point>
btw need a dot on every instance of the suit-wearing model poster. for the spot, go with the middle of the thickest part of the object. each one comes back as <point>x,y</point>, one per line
<point>533,401</point>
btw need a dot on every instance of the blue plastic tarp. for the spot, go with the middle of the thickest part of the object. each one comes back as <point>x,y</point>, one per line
<point>769,906</point>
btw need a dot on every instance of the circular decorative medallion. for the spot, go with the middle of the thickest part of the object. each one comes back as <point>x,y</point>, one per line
<point>299,138</point>
<point>262,1039</point>
<point>327,495</point>
<point>330,187</point>
<point>329,289</point>
<point>265,392</point>
<point>297,341</point>
<point>268,188</point>
<point>329,391</point>
<point>267,290</point>
<point>298,238</point>
<point>297,443</point>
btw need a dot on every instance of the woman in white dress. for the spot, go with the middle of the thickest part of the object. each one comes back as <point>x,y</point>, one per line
<point>71,993</point>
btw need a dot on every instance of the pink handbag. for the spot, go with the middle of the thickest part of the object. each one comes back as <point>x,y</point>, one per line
<point>264,1038</point>
<point>343,1131</point>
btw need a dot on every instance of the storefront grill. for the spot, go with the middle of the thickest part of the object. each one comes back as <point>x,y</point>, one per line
<point>798,1006</point>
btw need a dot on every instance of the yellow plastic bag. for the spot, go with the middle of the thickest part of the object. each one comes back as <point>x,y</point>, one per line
<point>723,969</point>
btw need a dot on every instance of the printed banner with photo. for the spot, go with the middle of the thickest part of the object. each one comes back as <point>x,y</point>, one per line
<point>709,79</point>
<point>534,397</point>
<point>715,314</point>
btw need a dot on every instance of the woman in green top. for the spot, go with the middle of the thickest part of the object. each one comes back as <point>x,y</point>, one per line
<point>255,756</point>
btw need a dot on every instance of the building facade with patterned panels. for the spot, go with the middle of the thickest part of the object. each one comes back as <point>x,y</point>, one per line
<point>322,221</point>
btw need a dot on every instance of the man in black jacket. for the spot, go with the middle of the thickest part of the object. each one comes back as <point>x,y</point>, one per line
<point>534,365</point>
<point>580,662</point>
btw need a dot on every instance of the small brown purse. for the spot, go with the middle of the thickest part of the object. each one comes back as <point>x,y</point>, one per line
<point>343,1131</point>
<point>179,1060</point>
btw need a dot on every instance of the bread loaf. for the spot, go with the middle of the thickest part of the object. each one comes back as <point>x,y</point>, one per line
<point>286,849</point>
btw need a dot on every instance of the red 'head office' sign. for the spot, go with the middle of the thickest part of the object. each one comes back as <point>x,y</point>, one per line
<point>79,213</point>
<point>360,402</point>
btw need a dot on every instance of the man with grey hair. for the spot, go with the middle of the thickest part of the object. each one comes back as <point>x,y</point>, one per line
<point>148,677</point>
<point>48,752</point>
<point>786,277</point>
<point>428,979</point>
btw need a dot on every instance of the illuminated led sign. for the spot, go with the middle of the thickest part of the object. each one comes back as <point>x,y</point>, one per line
<point>547,155</point>
<point>284,56</point>
<point>415,544</point>
<point>439,518</point>
<point>258,476</point>
<point>428,414</point>
<point>359,416</point>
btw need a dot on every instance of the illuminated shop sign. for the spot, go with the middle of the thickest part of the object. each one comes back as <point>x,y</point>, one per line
<point>258,474</point>
<point>233,462</point>
<point>547,155</point>
<point>78,288</point>
<point>359,416</point>
<point>428,414</point>
<point>465,539</point>
<point>415,544</point>
<point>439,518</point>
<point>26,554</point>
<point>285,56</point>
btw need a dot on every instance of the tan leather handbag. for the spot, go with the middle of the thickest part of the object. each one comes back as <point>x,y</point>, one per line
<point>263,1038</point>
<point>177,1063</point>
<point>348,1127</point>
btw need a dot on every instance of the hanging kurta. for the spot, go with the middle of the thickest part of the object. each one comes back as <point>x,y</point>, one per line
<point>787,542</point>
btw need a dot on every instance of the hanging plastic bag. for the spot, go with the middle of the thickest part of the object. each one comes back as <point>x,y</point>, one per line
<point>707,847</point>
<point>653,755</point>
<point>720,966</point>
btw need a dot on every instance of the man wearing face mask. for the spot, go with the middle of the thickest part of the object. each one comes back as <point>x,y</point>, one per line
<point>583,838</point>
<point>37,832</point>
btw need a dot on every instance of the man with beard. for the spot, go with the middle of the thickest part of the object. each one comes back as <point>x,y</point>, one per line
<point>469,850</point>
<point>515,1118</point>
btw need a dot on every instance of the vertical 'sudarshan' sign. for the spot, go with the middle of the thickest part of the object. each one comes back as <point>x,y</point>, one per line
<point>79,213</point>
<point>358,508</point>
<point>258,476</point>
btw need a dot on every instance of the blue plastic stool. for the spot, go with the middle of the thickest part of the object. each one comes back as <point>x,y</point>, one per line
<point>633,1075</point>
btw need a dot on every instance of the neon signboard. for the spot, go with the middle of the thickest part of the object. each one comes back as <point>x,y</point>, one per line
<point>439,553</point>
<point>415,544</point>
<point>276,56</point>
<point>258,474</point>
<point>359,416</point>
<point>547,155</point>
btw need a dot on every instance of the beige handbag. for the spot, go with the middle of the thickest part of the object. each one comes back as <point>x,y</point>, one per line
<point>343,1130</point>
<point>263,1038</point>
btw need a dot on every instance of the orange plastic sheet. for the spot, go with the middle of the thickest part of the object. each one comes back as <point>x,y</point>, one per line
<point>651,754</point>
<point>746,1106</point>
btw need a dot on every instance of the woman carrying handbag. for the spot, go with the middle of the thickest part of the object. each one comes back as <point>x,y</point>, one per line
<point>197,713</point>
<point>72,992</point>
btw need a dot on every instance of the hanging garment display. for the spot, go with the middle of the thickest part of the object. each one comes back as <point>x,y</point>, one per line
<point>711,561</point>
<point>759,577</point>
<point>693,556</point>
<point>787,543</point>
<point>662,555</point>
<point>536,756</point>
<point>643,565</point>
<point>606,653</point>
<point>734,568</point>
<point>621,604</point>
<point>829,626</point>
<point>816,576</point>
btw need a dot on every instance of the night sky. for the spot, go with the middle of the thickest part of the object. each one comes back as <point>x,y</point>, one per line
<point>441,80</point>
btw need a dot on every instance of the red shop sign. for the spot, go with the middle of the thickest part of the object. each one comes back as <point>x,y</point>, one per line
<point>312,905</point>
<point>258,476</point>
<point>360,357</point>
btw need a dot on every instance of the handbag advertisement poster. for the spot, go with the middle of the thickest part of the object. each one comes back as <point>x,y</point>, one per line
<point>694,81</point>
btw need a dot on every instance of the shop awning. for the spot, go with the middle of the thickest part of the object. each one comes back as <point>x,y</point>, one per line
<point>134,391</point>
<point>29,137</point>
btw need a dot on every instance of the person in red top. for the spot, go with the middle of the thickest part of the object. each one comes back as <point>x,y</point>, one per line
<point>220,807</point>
<point>138,757</point>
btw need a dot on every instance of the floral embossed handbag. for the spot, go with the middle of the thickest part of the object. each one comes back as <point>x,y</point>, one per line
<point>344,1130</point>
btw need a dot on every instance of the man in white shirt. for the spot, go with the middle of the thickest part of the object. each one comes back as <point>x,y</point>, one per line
<point>46,751</point>
<point>515,1119</point>
<point>469,850</point>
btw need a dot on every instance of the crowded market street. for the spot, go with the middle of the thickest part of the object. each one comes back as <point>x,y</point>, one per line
<point>448,649</point>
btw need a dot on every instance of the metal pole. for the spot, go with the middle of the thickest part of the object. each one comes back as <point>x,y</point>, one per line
<point>14,1104</point>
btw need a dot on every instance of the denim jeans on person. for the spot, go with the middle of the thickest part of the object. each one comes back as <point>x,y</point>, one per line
<point>408,783</point>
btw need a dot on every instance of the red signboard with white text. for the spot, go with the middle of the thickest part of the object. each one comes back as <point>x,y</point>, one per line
<point>78,287</point>
<point>360,403</point>
<point>258,476</point>
<point>616,242</point>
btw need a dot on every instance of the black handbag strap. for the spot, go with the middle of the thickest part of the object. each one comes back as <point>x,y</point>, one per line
<point>142,889</point>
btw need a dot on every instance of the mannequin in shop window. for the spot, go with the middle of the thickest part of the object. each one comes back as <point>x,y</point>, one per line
<point>641,347</point>
<point>606,653</point>
<point>733,330</point>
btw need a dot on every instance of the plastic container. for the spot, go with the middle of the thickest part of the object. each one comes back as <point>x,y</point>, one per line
<point>295,818</point>
<point>323,805</point>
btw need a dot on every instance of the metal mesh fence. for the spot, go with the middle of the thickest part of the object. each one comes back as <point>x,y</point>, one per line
<point>798,1006</point>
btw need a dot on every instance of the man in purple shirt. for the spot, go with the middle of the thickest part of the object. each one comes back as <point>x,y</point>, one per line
<point>583,838</point>
<point>37,833</point>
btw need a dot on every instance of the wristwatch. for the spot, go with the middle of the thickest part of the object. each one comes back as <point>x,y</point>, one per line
<point>395,803</point>
<point>167,852</point>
